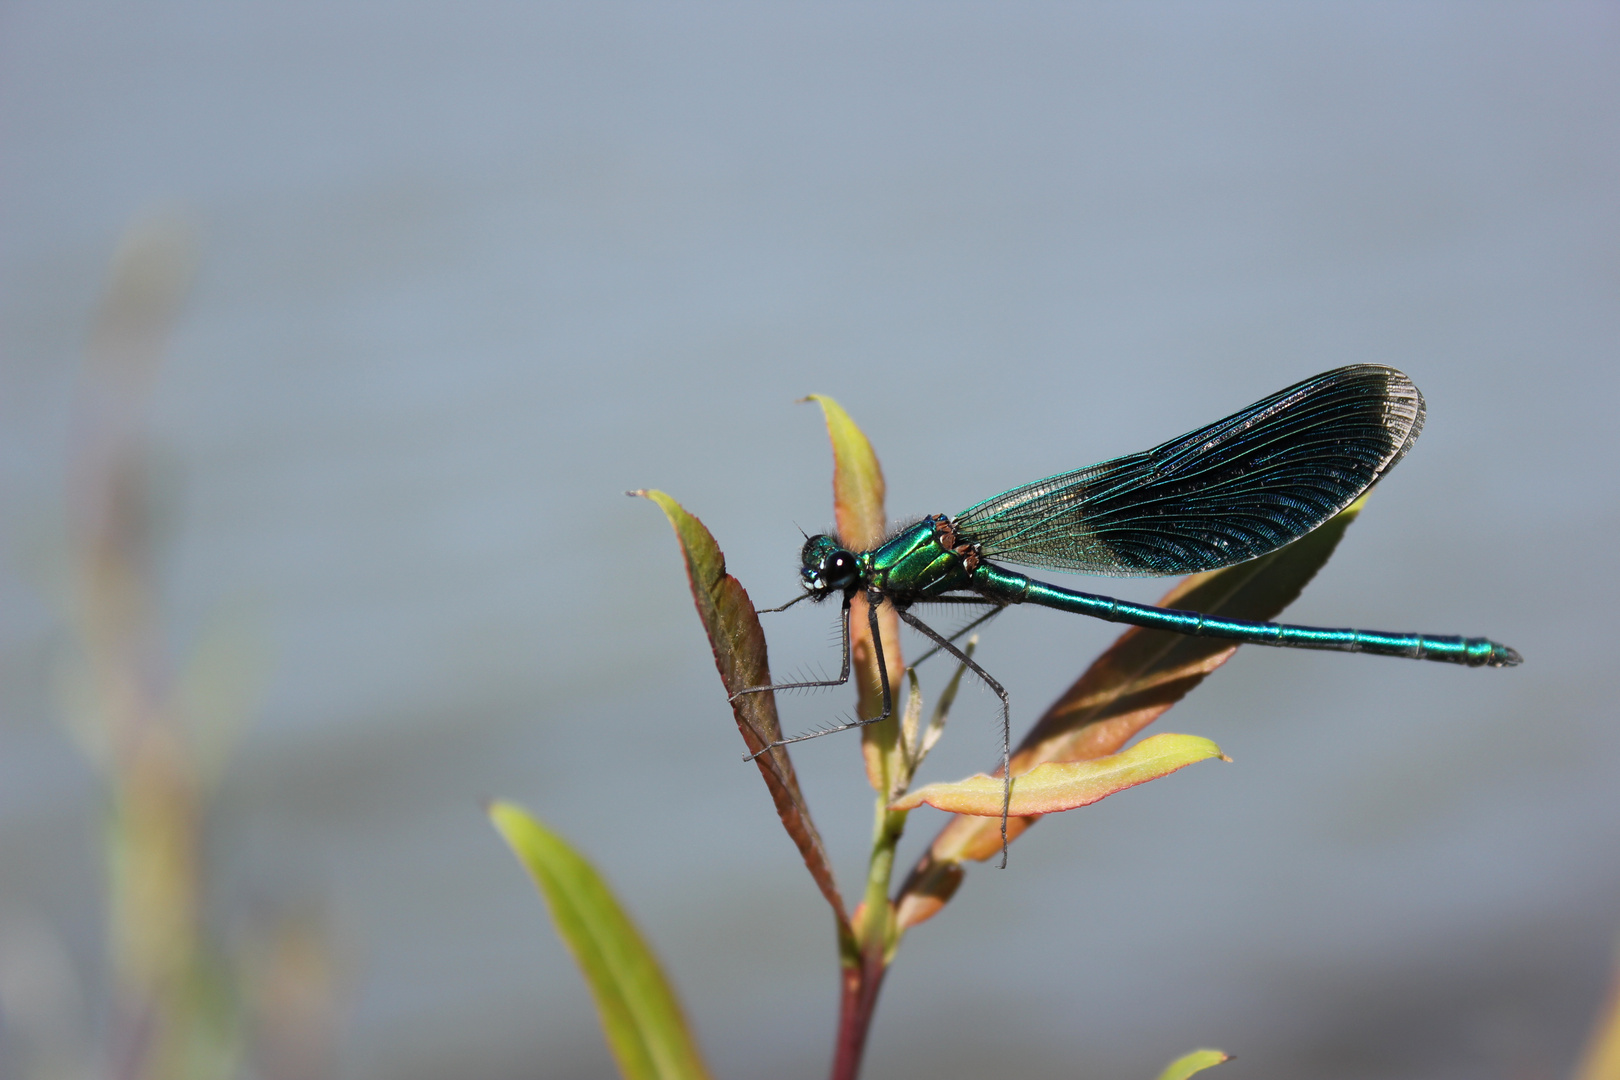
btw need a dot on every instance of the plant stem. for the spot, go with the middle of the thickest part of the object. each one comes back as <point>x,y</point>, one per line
<point>855,1008</point>
<point>877,937</point>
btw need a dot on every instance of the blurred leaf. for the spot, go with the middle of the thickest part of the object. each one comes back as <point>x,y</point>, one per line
<point>1195,1062</point>
<point>1141,675</point>
<point>296,989</point>
<point>1601,1060</point>
<point>152,272</point>
<point>220,688</point>
<point>858,492</point>
<point>1057,786</point>
<point>640,1015</point>
<point>729,619</point>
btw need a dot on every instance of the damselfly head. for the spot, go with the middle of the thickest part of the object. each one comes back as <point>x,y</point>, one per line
<point>827,566</point>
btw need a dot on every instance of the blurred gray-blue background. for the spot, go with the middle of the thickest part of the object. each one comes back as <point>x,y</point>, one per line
<point>467,272</point>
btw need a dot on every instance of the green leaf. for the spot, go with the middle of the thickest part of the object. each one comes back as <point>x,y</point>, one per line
<point>1056,786</point>
<point>640,1014</point>
<point>738,642</point>
<point>858,487</point>
<point>1197,1061</point>
<point>1129,686</point>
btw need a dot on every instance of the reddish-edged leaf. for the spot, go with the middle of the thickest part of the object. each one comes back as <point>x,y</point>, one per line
<point>1141,675</point>
<point>858,492</point>
<point>1065,785</point>
<point>640,1013</point>
<point>729,619</point>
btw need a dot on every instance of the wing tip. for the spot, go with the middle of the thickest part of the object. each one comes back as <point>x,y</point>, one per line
<point>1404,410</point>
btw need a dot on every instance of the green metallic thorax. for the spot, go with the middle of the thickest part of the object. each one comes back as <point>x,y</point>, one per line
<point>915,565</point>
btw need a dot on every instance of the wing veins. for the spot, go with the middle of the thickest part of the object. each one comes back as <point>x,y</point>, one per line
<point>1226,492</point>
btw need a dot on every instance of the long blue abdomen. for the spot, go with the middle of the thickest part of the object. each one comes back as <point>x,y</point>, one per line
<point>1015,588</point>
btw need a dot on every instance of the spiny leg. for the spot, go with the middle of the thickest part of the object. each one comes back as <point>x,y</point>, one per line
<point>1006,718</point>
<point>873,599</point>
<point>784,607</point>
<point>995,609</point>
<point>843,670</point>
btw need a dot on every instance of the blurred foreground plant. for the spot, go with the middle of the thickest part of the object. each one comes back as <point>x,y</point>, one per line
<point>1074,755</point>
<point>185,1005</point>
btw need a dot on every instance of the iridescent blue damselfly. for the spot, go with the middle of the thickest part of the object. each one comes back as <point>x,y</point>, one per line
<point>1223,494</point>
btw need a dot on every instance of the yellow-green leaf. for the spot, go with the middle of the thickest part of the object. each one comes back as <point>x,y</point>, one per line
<point>1055,786</point>
<point>858,487</point>
<point>1197,1061</point>
<point>858,492</point>
<point>639,1011</point>
<point>1601,1059</point>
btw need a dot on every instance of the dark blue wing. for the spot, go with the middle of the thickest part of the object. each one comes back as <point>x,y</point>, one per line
<point>1225,493</point>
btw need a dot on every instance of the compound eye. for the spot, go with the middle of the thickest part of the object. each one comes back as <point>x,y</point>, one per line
<point>838,569</point>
